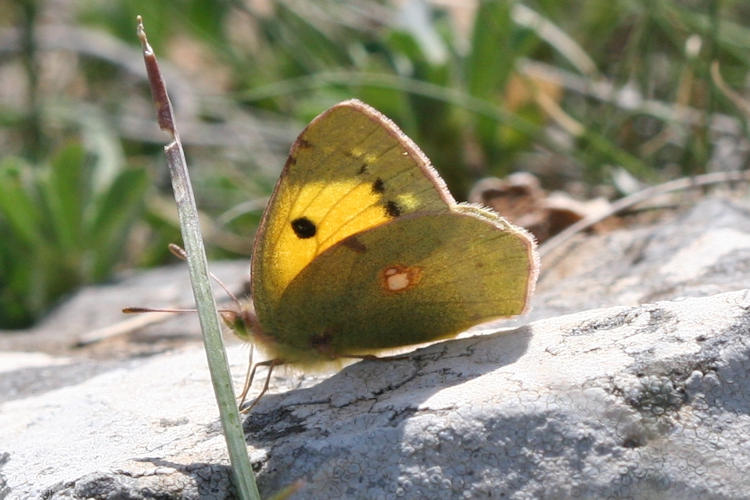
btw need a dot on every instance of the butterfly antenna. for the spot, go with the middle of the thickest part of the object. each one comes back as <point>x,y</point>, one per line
<point>248,319</point>
<point>270,363</point>
<point>180,253</point>
<point>136,310</point>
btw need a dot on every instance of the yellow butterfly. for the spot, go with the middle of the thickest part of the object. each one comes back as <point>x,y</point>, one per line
<point>362,247</point>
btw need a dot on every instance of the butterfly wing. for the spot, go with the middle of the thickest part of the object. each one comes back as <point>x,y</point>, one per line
<point>349,170</point>
<point>417,278</point>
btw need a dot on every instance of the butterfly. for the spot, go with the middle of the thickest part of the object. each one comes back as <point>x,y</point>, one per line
<point>362,248</point>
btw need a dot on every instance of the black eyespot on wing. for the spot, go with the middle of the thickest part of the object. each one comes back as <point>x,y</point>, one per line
<point>304,228</point>
<point>362,169</point>
<point>378,186</point>
<point>392,209</point>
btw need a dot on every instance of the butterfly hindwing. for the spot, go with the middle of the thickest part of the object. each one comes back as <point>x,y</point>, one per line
<point>351,169</point>
<point>417,278</point>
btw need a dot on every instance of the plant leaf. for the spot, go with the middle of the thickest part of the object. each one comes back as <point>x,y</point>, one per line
<point>65,190</point>
<point>18,205</point>
<point>117,209</point>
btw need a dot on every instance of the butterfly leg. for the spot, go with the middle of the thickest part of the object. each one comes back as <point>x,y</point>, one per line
<point>270,363</point>
<point>248,377</point>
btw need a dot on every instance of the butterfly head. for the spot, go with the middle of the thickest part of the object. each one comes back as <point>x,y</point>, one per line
<point>243,322</point>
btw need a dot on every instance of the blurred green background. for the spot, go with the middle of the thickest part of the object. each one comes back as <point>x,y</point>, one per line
<point>586,95</point>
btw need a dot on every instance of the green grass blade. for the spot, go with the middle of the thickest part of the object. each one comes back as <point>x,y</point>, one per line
<point>208,316</point>
<point>491,58</point>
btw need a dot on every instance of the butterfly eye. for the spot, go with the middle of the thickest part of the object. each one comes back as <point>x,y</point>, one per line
<point>303,228</point>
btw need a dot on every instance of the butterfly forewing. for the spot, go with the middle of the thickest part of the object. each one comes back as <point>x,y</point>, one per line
<point>350,170</point>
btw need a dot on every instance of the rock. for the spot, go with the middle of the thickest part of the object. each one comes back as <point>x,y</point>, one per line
<point>99,309</point>
<point>646,397</point>
<point>521,200</point>
<point>699,253</point>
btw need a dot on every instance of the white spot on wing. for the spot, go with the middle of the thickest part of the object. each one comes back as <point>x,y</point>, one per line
<point>398,278</point>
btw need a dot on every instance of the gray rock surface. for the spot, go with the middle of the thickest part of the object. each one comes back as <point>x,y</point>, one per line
<point>701,252</point>
<point>645,397</point>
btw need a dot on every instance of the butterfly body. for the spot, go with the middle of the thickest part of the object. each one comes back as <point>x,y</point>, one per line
<point>363,248</point>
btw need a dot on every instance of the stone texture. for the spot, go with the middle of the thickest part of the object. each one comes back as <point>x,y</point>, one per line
<point>645,397</point>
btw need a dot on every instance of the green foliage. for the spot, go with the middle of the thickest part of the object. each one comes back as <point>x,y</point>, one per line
<point>484,88</point>
<point>59,232</point>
